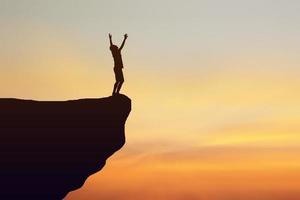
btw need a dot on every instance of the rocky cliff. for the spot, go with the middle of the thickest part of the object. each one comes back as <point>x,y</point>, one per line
<point>48,149</point>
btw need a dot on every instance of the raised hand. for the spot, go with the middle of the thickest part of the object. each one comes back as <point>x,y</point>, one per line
<point>122,45</point>
<point>110,40</point>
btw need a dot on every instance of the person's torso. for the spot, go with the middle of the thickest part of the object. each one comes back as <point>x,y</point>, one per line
<point>118,59</point>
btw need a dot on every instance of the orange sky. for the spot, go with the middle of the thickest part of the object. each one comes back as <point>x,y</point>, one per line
<point>214,88</point>
<point>206,173</point>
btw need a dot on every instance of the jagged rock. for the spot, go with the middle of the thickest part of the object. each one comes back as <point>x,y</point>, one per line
<point>48,149</point>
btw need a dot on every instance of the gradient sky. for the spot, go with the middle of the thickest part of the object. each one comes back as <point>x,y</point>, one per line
<point>214,86</point>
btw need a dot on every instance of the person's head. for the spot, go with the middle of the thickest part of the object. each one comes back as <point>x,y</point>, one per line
<point>114,48</point>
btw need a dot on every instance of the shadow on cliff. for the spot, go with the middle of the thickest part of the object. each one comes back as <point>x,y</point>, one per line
<point>48,149</point>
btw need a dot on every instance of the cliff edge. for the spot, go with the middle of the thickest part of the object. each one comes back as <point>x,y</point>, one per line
<point>49,148</point>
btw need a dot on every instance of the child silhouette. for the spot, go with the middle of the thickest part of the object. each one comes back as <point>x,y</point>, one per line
<point>118,64</point>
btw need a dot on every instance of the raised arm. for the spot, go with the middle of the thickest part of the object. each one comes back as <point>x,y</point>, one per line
<point>110,39</point>
<point>125,38</point>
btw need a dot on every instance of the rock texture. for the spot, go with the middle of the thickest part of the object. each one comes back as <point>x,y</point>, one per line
<point>48,149</point>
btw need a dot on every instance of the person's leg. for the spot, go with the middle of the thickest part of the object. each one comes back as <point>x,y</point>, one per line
<point>119,86</point>
<point>115,87</point>
<point>116,83</point>
<point>120,80</point>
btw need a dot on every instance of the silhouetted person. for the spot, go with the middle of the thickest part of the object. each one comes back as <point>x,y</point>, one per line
<point>116,53</point>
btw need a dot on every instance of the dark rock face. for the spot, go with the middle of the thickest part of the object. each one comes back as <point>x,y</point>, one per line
<point>48,149</point>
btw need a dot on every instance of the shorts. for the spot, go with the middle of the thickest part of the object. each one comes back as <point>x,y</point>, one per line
<point>119,74</point>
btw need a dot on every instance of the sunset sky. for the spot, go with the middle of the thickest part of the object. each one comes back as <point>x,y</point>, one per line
<point>214,84</point>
